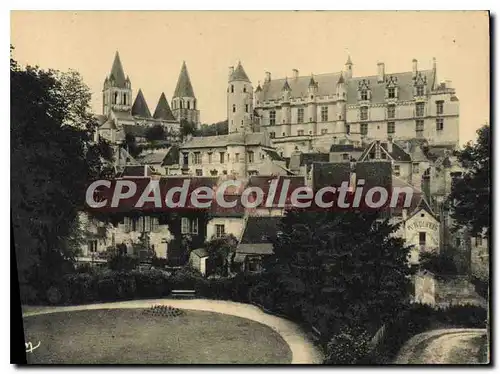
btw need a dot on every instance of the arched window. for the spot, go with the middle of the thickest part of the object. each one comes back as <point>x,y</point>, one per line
<point>189,106</point>
<point>232,88</point>
<point>180,103</point>
<point>194,104</point>
<point>124,99</point>
<point>244,88</point>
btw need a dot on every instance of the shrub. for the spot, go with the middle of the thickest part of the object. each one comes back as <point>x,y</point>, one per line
<point>79,288</point>
<point>350,346</point>
<point>122,262</point>
<point>151,283</point>
<point>29,295</point>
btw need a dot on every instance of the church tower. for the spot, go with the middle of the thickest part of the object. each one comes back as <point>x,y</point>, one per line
<point>117,90</point>
<point>184,105</point>
<point>239,100</point>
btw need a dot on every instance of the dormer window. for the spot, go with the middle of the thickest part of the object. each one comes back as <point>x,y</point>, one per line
<point>420,91</point>
<point>391,93</point>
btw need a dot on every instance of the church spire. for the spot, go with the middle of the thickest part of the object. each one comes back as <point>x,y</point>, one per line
<point>140,107</point>
<point>117,74</point>
<point>162,110</point>
<point>184,87</point>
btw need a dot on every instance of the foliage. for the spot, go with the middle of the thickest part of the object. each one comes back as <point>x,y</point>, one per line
<point>53,159</point>
<point>218,128</point>
<point>156,132</point>
<point>131,145</point>
<point>349,346</point>
<point>438,263</point>
<point>337,267</point>
<point>221,252</point>
<point>471,196</point>
<point>121,261</point>
<point>187,128</point>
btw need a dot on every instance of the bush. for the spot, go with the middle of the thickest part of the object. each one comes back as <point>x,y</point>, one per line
<point>29,295</point>
<point>122,262</point>
<point>151,283</point>
<point>115,286</point>
<point>79,288</point>
<point>348,347</point>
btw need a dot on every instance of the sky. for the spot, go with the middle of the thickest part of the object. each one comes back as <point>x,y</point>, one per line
<point>153,45</point>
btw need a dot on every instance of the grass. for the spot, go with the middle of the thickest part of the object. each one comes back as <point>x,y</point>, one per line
<point>128,336</point>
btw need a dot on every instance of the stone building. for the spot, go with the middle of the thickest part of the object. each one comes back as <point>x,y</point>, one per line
<point>313,112</point>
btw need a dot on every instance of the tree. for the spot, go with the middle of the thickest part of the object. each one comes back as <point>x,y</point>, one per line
<point>131,145</point>
<point>187,128</point>
<point>470,196</point>
<point>218,128</point>
<point>156,132</point>
<point>338,268</point>
<point>52,160</point>
<point>220,251</point>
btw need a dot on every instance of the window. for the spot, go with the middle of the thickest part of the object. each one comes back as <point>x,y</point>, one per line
<point>209,157</point>
<point>185,158</point>
<point>479,241</point>
<point>324,113</point>
<point>189,104</point>
<point>124,99</point>
<point>347,129</point>
<point>391,127</point>
<point>246,108</point>
<point>92,246</point>
<point>345,156</point>
<point>283,134</point>
<point>232,88</point>
<point>416,168</point>
<point>236,157</point>
<point>221,157</point>
<point>439,107</point>
<point>383,155</point>
<point>155,223</point>
<point>250,156</point>
<point>300,132</point>
<point>194,226</point>
<point>364,95</point>
<point>180,104</point>
<point>391,93</point>
<point>234,108</point>
<point>419,127</point>
<point>220,231</point>
<point>199,172</point>
<point>115,98</point>
<point>324,131</point>
<point>272,135</point>
<point>272,117</point>
<point>420,90</point>
<point>197,158</point>
<point>189,226</point>
<point>397,170</point>
<point>245,88</point>
<point>391,111</point>
<point>300,115</point>
<point>421,238</point>
<point>439,124</point>
<point>364,129</point>
<point>363,113</point>
<point>420,109</point>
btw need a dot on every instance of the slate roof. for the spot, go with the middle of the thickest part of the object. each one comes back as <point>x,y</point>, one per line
<point>345,148</point>
<point>153,158</point>
<point>306,159</point>
<point>330,174</point>
<point>100,118</point>
<point>273,155</point>
<point>162,110</point>
<point>109,124</point>
<point>397,154</point>
<point>239,74</point>
<point>200,252</point>
<point>136,171</point>
<point>184,87</point>
<point>327,85</point>
<point>256,138</point>
<point>260,230</point>
<point>140,107</point>
<point>123,115</point>
<point>418,200</point>
<point>117,72</point>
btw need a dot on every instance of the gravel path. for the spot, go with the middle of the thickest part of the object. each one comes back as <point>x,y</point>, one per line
<point>303,350</point>
<point>447,346</point>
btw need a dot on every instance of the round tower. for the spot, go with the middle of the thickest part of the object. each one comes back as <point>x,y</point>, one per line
<point>341,93</point>
<point>312,91</point>
<point>239,101</point>
<point>286,112</point>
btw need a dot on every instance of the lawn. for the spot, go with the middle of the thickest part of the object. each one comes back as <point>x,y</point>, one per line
<point>130,336</point>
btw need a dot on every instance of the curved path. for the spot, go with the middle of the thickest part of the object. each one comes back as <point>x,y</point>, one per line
<point>438,346</point>
<point>303,350</point>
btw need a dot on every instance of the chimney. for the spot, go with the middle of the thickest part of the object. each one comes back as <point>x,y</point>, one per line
<point>389,145</point>
<point>268,77</point>
<point>295,74</point>
<point>231,71</point>
<point>414,67</point>
<point>380,72</point>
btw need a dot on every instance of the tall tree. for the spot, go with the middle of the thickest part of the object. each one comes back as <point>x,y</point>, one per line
<point>339,267</point>
<point>470,196</point>
<point>52,160</point>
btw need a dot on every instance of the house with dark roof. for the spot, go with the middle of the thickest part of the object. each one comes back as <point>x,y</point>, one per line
<point>256,243</point>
